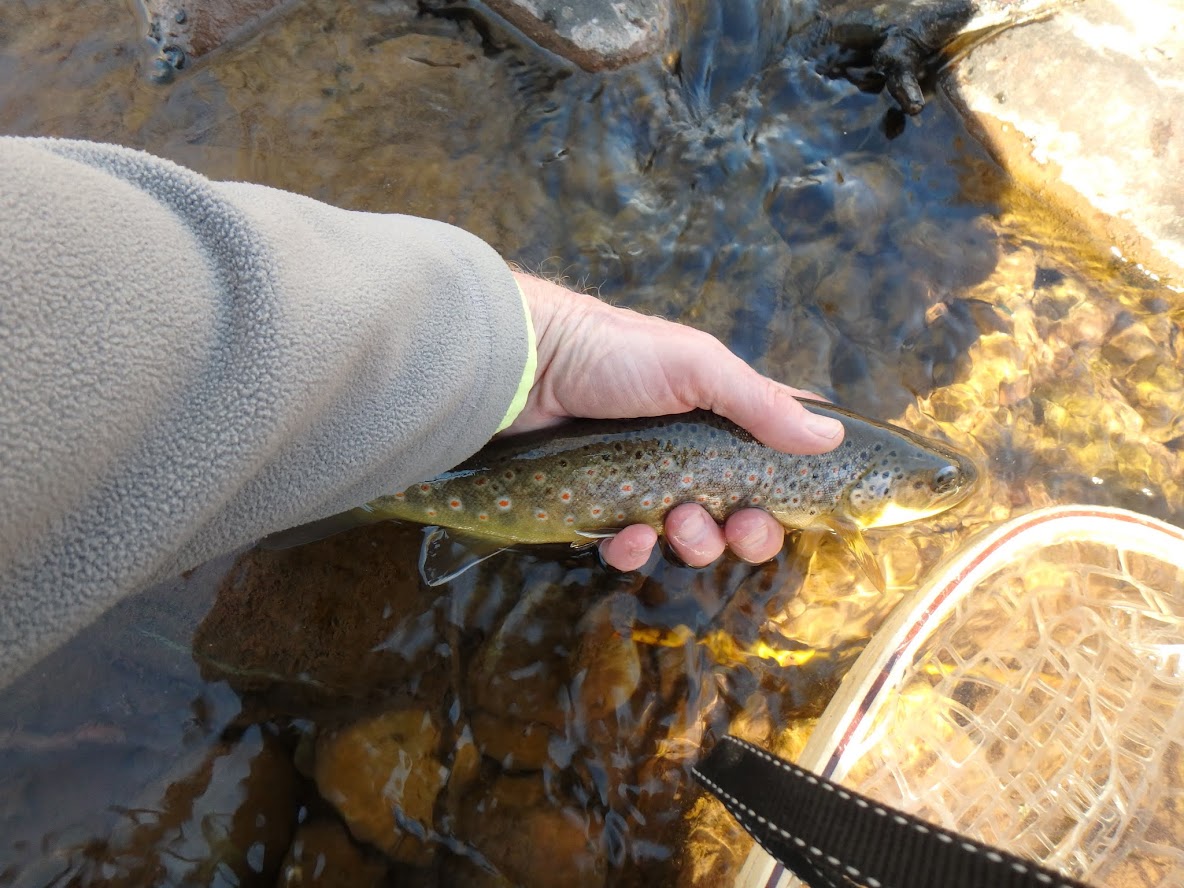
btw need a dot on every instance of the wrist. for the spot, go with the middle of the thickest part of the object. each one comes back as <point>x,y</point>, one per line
<point>526,382</point>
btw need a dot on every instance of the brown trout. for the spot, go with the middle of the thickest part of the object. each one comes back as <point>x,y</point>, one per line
<point>587,479</point>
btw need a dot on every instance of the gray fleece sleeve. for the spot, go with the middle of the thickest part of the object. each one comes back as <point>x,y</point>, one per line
<point>187,365</point>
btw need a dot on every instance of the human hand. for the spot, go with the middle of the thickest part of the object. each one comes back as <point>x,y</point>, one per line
<point>602,362</point>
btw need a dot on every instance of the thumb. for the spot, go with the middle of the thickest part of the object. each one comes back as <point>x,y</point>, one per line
<point>766,408</point>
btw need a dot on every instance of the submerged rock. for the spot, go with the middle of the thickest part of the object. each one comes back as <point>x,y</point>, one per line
<point>186,30</point>
<point>383,775</point>
<point>595,34</point>
<point>530,840</point>
<point>324,855</point>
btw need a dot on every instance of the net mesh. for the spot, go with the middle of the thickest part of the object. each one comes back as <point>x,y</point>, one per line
<point>1043,715</point>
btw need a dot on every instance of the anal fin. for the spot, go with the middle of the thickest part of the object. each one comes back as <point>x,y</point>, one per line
<point>447,554</point>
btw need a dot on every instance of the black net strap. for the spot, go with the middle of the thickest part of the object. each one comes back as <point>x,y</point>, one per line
<point>830,837</point>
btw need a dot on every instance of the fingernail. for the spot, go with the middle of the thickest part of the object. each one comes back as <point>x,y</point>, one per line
<point>640,551</point>
<point>693,531</point>
<point>824,426</point>
<point>754,538</point>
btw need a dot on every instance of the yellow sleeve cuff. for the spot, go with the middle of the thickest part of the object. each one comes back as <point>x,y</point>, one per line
<point>532,363</point>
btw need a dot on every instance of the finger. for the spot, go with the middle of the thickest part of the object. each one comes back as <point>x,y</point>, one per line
<point>773,413</point>
<point>693,535</point>
<point>630,549</point>
<point>754,535</point>
<point>724,384</point>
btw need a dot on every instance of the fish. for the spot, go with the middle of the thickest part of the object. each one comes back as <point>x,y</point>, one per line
<point>587,479</point>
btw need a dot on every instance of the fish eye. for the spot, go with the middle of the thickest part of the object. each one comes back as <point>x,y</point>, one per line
<point>946,479</point>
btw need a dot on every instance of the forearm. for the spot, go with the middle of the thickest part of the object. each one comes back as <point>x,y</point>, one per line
<point>188,365</point>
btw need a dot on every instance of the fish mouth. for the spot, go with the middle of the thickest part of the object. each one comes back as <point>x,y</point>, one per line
<point>957,479</point>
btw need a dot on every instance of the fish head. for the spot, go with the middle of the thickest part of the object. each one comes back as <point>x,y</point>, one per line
<point>912,478</point>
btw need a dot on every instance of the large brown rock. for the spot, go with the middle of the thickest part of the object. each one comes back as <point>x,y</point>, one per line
<point>328,624</point>
<point>1085,107</point>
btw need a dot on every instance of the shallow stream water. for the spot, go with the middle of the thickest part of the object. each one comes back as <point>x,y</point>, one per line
<point>887,264</point>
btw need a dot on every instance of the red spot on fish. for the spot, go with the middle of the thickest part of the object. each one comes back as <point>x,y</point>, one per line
<point>540,515</point>
<point>735,497</point>
<point>646,503</point>
<point>626,488</point>
<point>425,487</point>
<point>454,503</point>
<point>687,479</point>
<point>752,477</point>
<point>728,473</point>
<point>400,496</point>
<point>701,498</point>
<point>565,496</point>
<point>504,503</point>
<point>803,472</point>
<point>538,476</point>
<point>755,500</point>
<point>590,472</point>
<point>569,520</point>
<point>779,490</point>
<point>769,471</point>
<point>596,511</point>
<point>482,517</point>
<point>431,513</point>
<point>620,516</point>
<point>665,463</point>
<point>668,499</point>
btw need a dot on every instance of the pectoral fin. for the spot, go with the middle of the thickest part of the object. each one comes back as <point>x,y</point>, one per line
<point>804,548</point>
<point>445,554</point>
<point>852,537</point>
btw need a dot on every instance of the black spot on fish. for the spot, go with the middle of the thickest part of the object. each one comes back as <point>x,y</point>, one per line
<point>878,448</point>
